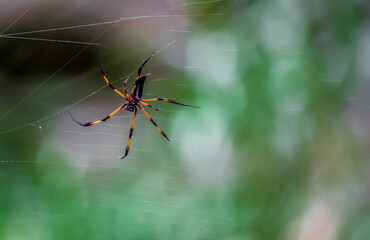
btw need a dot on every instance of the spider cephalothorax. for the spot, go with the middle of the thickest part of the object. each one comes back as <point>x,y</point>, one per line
<point>133,101</point>
<point>131,105</point>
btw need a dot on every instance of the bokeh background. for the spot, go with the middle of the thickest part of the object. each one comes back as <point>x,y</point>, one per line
<point>278,150</point>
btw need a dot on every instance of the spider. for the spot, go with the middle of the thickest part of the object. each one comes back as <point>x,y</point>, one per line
<point>133,101</point>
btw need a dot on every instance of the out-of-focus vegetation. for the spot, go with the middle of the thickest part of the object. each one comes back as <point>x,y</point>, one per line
<point>278,150</point>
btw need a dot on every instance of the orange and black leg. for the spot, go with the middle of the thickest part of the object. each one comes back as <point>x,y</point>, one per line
<point>104,119</point>
<point>151,119</point>
<point>106,79</point>
<point>157,109</point>
<point>168,100</point>
<point>139,72</point>
<point>129,137</point>
<point>124,85</point>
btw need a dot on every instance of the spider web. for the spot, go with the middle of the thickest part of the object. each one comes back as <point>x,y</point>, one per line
<point>71,175</point>
<point>277,150</point>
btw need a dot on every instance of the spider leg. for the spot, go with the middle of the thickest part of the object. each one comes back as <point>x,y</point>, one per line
<point>139,72</point>
<point>151,119</point>
<point>129,137</point>
<point>168,100</point>
<point>157,109</point>
<point>124,85</point>
<point>104,119</point>
<point>106,79</point>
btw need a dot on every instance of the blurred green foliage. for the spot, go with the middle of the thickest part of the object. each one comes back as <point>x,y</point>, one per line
<point>271,154</point>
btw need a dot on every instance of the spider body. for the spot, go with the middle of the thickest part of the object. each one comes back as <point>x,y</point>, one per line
<point>131,105</point>
<point>133,102</point>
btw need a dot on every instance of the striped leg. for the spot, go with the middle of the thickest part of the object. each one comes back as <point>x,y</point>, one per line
<point>139,72</point>
<point>157,109</point>
<point>104,119</point>
<point>168,100</point>
<point>124,85</point>
<point>106,79</point>
<point>129,137</point>
<point>151,119</point>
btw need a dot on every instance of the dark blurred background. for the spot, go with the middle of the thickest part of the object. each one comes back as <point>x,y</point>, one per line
<point>278,149</point>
